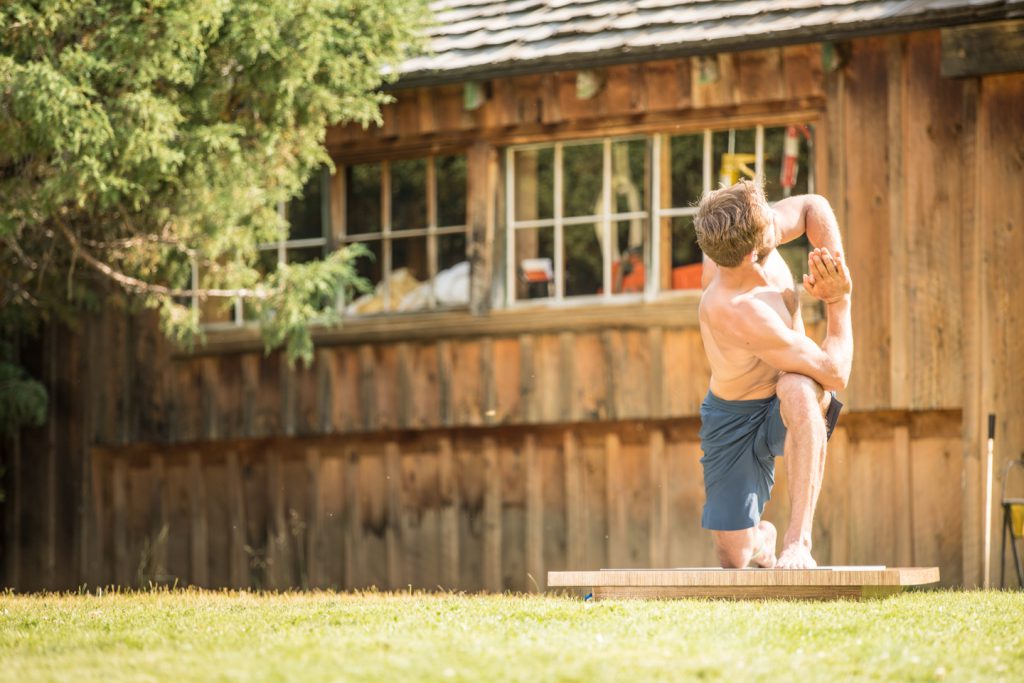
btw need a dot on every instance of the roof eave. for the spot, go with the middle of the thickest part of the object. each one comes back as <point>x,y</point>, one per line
<point>628,55</point>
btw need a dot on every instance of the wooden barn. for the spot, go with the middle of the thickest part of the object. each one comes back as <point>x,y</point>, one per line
<point>520,391</point>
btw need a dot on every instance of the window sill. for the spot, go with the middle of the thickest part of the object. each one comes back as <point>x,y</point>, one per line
<point>672,309</point>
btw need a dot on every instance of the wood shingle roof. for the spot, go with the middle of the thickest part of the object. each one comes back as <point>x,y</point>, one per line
<point>484,38</point>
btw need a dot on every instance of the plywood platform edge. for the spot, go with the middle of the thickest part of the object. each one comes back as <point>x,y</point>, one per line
<point>711,577</point>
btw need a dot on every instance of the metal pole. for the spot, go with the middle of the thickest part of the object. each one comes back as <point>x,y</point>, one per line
<point>987,560</point>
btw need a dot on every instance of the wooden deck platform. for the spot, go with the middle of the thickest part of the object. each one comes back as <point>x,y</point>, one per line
<point>822,583</point>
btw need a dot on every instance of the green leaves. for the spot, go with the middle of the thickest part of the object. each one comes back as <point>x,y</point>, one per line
<point>161,136</point>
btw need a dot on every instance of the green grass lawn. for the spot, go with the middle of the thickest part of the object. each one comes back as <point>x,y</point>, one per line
<point>192,635</point>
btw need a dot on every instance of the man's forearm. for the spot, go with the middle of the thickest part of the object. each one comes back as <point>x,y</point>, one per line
<point>821,225</point>
<point>838,343</point>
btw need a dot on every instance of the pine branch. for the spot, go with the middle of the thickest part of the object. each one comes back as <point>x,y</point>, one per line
<point>141,286</point>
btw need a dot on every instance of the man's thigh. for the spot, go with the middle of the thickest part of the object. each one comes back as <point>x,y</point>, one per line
<point>799,395</point>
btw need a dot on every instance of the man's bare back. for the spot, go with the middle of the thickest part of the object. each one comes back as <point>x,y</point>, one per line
<point>769,380</point>
<point>736,372</point>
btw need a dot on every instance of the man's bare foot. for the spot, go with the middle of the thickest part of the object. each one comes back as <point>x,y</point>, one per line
<point>765,556</point>
<point>796,556</point>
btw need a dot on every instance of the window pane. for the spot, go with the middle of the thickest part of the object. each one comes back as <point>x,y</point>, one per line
<point>740,142</point>
<point>410,253</point>
<point>371,266</point>
<point>629,176</point>
<point>581,179</point>
<point>451,190</point>
<point>304,255</point>
<point>685,255</point>
<point>687,169</point>
<point>305,213</point>
<point>628,267</point>
<point>408,194</point>
<point>534,260</point>
<point>534,183</point>
<point>583,267</point>
<point>451,285</point>
<point>784,176</point>
<point>362,199</point>
<point>451,250</point>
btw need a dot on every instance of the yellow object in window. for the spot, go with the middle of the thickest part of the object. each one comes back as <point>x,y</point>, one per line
<point>735,164</point>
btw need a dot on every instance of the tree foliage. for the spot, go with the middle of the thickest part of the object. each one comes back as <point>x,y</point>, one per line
<point>140,140</point>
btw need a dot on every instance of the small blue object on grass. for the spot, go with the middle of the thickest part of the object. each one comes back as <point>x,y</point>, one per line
<point>588,596</point>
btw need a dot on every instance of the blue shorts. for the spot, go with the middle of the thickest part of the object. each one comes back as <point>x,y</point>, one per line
<point>741,440</point>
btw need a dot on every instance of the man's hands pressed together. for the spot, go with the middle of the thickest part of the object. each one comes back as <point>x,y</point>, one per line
<point>828,278</point>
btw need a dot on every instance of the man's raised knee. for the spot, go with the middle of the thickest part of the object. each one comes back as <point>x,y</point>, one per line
<point>800,395</point>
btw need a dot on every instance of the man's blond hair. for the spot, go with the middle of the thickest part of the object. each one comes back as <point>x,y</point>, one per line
<point>730,222</point>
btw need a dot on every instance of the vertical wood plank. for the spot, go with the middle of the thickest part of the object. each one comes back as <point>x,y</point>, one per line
<point>392,530</point>
<point>488,387</point>
<point>314,518</point>
<point>974,303</point>
<point>659,498</point>
<point>405,386</point>
<point>482,172</point>
<point>277,529</point>
<point>512,490</point>
<point>575,533</point>
<point>122,572</point>
<point>331,556</point>
<point>158,528</point>
<point>618,521</point>
<point>492,556</point>
<point>506,379</point>
<point>353,568</point>
<point>527,380</point>
<point>217,518</point>
<point>569,407</point>
<point>534,514</point>
<point>903,481</point>
<point>444,383</point>
<point>655,385</point>
<point>899,381</point>
<point>367,388</point>
<point>237,561</point>
<point>450,505</point>
<point>199,546</point>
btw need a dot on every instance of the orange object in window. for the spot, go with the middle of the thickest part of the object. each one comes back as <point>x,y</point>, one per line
<point>687,277</point>
<point>634,277</point>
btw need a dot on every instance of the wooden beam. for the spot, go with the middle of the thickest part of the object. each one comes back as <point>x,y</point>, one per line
<point>978,49</point>
<point>482,173</point>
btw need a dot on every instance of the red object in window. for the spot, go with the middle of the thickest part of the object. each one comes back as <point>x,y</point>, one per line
<point>687,277</point>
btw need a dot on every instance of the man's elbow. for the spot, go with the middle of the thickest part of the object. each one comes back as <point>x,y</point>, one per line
<point>838,377</point>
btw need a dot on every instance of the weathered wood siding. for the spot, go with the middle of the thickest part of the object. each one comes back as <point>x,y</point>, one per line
<point>494,509</point>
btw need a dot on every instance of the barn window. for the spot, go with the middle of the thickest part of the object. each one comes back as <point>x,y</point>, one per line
<point>411,215</point>
<point>579,212</point>
<point>579,218</point>
<point>695,163</point>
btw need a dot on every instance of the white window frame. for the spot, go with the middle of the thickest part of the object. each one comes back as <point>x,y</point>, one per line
<point>654,213</point>
<point>559,222</point>
<point>387,233</point>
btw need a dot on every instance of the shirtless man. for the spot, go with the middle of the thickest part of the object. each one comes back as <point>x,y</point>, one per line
<point>772,388</point>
